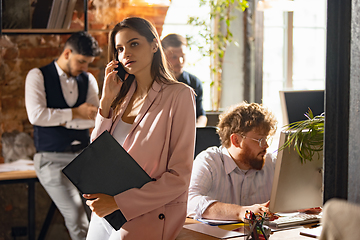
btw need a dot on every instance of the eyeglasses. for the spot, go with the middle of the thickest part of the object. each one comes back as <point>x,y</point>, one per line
<point>262,141</point>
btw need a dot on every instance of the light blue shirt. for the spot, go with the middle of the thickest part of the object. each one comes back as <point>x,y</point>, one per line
<point>216,177</point>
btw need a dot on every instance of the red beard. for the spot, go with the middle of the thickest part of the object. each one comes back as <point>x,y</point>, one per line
<point>248,158</point>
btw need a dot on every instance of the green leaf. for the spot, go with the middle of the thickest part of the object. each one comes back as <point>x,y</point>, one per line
<point>307,136</point>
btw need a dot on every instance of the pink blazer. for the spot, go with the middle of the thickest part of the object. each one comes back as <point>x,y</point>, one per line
<point>162,141</point>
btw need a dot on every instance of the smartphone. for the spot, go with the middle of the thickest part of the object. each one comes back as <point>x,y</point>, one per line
<point>122,73</point>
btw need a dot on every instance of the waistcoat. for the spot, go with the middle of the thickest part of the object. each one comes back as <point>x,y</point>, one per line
<point>59,138</point>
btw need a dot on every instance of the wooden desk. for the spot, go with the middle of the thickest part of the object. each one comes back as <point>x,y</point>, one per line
<point>28,177</point>
<point>16,175</point>
<point>290,234</point>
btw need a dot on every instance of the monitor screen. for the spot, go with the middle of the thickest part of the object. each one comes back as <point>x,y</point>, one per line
<point>296,185</point>
<point>295,104</point>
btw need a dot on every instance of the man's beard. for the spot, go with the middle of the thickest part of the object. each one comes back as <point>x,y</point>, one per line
<point>249,159</point>
<point>71,74</point>
<point>69,68</point>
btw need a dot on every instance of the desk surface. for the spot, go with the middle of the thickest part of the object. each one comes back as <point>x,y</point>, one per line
<point>290,234</point>
<point>17,175</point>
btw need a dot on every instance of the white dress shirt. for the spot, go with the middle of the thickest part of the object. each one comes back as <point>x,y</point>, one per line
<point>216,177</point>
<point>36,106</point>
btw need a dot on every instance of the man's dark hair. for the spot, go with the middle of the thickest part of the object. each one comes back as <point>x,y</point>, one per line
<point>173,40</point>
<point>84,44</point>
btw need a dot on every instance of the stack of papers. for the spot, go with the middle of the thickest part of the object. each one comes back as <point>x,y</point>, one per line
<point>215,222</point>
<point>214,231</point>
<point>312,232</point>
<point>222,229</point>
<point>18,165</point>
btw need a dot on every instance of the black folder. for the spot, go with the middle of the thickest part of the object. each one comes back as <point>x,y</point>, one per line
<point>105,167</point>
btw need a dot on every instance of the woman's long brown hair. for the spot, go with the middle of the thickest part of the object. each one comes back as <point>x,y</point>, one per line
<point>159,68</point>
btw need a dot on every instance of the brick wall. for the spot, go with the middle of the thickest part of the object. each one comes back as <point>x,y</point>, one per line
<point>21,52</point>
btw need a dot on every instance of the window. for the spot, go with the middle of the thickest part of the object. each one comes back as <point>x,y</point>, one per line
<point>294,52</point>
<point>176,22</point>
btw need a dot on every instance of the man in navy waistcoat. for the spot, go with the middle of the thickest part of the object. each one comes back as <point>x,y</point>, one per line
<point>61,101</point>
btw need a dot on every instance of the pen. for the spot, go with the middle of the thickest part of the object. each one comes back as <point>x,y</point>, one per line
<point>315,225</point>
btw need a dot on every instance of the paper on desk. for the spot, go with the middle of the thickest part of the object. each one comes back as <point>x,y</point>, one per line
<point>18,165</point>
<point>214,222</point>
<point>312,232</point>
<point>214,231</point>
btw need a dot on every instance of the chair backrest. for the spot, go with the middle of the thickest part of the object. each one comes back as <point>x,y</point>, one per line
<point>206,137</point>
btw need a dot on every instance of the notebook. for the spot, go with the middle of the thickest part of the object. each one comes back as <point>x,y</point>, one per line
<point>105,167</point>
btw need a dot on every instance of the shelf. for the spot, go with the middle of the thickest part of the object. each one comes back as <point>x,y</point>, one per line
<point>43,30</point>
<point>40,31</point>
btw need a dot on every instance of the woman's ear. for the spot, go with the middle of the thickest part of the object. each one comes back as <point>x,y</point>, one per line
<point>155,46</point>
<point>235,139</point>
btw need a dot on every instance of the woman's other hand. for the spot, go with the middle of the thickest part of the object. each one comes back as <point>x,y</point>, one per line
<point>101,204</point>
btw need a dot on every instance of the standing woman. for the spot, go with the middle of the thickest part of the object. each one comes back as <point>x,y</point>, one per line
<point>153,118</point>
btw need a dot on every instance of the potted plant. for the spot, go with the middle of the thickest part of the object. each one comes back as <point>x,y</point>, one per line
<point>307,136</point>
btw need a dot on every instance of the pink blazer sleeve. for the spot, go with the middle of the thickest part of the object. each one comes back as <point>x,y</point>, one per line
<point>103,125</point>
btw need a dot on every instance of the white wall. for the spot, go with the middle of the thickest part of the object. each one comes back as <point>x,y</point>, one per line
<point>233,72</point>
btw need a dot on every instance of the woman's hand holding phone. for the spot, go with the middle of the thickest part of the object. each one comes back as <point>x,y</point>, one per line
<point>122,74</point>
<point>111,87</point>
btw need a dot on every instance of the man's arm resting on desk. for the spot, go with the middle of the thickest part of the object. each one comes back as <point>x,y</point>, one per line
<point>226,211</point>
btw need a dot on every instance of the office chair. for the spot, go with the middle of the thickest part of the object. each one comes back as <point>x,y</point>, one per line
<point>206,137</point>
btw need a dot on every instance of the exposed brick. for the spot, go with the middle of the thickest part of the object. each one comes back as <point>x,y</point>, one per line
<point>13,125</point>
<point>81,16</point>
<point>10,53</point>
<point>97,26</point>
<point>28,127</point>
<point>6,42</point>
<point>39,52</point>
<point>161,11</point>
<point>8,101</point>
<point>27,41</point>
<point>2,74</point>
<point>27,64</point>
<point>63,38</point>
<point>50,40</point>
<point>91,16</point>
<point>94,71</point>
<point>101,38</point>
<point>6,68</point>
<point>98,63</point>
<point>77,25</point>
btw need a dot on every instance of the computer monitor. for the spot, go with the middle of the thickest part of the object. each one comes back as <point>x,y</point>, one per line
<point>295,104</point>
<point>296,185</point>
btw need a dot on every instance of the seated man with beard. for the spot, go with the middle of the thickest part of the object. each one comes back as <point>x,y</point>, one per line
<point>237,176</point>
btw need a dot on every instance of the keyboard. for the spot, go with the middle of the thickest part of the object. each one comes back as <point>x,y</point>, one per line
<point>294,220</point>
